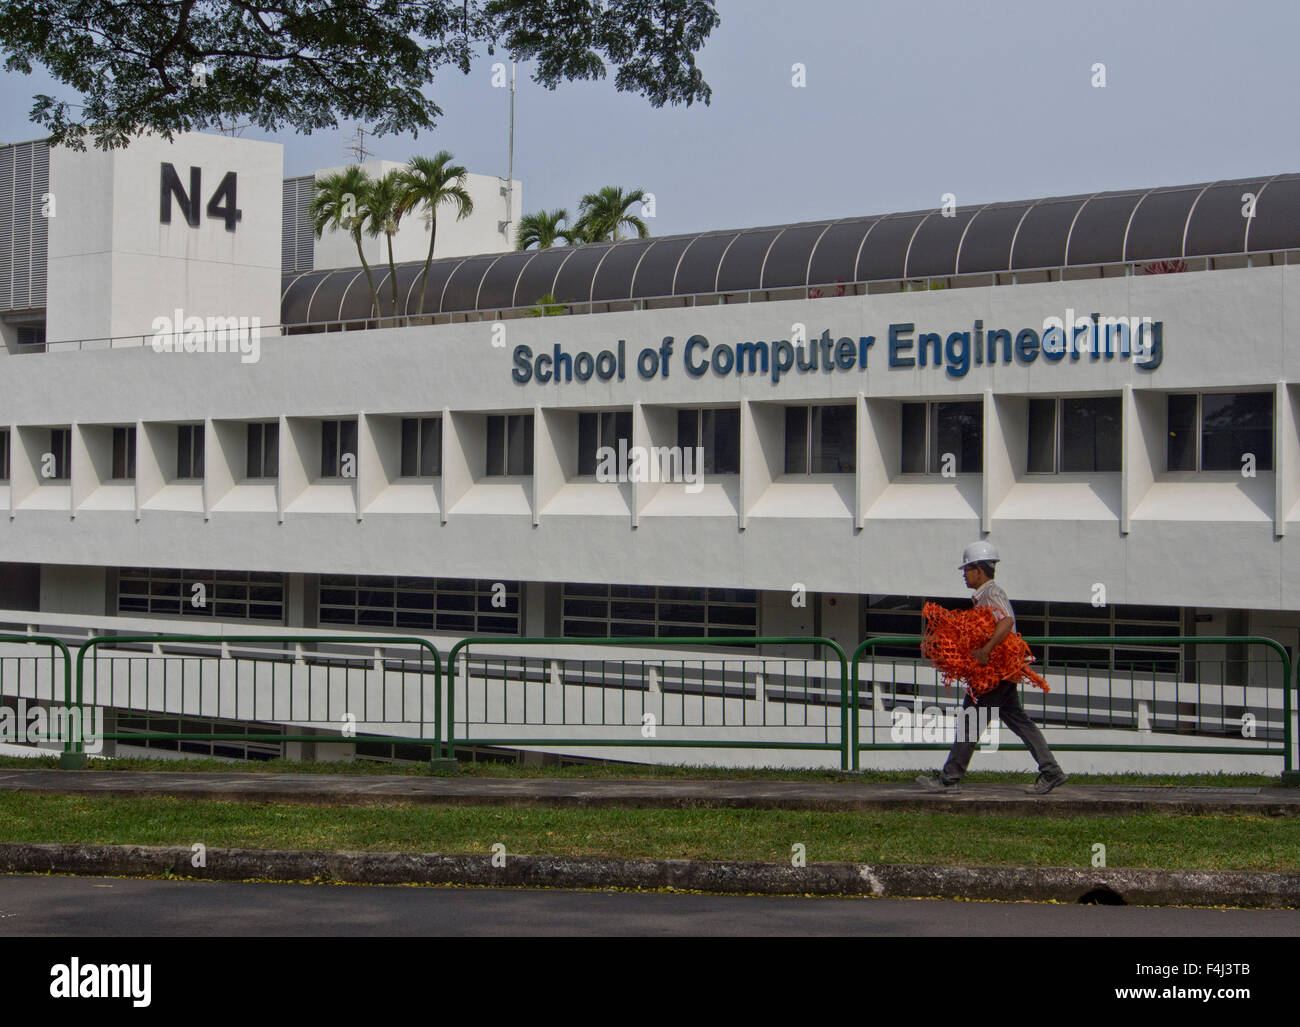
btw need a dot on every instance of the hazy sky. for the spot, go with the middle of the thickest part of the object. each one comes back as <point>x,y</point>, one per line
<point>903,103</point>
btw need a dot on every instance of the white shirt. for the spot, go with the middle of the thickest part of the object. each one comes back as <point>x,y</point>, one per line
<point>995,598</point>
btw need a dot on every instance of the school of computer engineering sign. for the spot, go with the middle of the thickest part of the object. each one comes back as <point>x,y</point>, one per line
<point>1140,340</point>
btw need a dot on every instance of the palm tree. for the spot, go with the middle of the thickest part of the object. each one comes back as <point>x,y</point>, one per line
<point>340,202</point>
<point>433,181</point>
<point>547,306</point>
<point>383,213</point>
<point>602,214</point>
<point>544,229</point>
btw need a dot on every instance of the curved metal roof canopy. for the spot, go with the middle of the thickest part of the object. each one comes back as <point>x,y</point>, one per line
<point>1101,228</point>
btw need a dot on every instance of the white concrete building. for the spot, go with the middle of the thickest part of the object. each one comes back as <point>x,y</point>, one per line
<point>1107,387</point>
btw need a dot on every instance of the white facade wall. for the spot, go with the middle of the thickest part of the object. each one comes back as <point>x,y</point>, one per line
<point>114,266</point>
<point>1142,533</point>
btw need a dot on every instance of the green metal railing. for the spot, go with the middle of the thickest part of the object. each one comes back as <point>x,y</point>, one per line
<point>15,663</point>
<point>1161,685</point>
<point>425,663</point>
<point>517,677</point>
<point>1164,687</point>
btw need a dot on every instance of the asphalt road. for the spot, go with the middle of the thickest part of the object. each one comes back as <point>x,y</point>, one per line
<point>85,907</point>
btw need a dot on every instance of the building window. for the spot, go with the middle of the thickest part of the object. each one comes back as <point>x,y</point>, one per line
<point>338,449</point>
<point>647,611</point>
<point>461,606</point>
<point>4,454</point>
<point>60,454</point>
<point>509,445</point>
<point>820,440</point>
<point>421,447</point>
<point>264,450</point>
<point>123,454</point>
<point>1218,431</point>
<point>945,438</point>
<point>222,595</point>
<point>1074,435</point>
<point>189,451</point>
<point>597,431</point>
<point>717,433</point>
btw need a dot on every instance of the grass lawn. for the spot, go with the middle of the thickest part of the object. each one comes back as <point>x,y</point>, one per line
<point>608,771</point>
<point>1169,842</point>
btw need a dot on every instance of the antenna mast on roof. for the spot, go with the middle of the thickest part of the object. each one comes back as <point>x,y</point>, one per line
<point>358,146</point>
<point>510,170</point>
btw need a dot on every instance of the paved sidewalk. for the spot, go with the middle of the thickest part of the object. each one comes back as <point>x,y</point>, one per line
<point>657,793</point>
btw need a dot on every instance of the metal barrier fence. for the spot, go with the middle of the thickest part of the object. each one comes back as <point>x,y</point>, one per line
<point>1145,695</point>
<point>1169,689</point>
<point>21,678</point>
<point>761,701</point>
<point>343,693</point>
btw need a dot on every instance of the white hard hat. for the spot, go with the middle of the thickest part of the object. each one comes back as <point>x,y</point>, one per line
<point>979,552</point>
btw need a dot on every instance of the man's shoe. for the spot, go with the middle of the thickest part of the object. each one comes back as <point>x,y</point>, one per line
<point>934,783</point>
<point>1045,784</point>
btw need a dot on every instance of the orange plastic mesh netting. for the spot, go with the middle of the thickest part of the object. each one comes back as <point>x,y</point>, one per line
<point>949,637</point>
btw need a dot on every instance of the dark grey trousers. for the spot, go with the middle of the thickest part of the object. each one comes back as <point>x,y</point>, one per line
<point>1006,698</point>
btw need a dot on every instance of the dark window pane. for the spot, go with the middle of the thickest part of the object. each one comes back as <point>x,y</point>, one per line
<point>519,441</point>
<point>682,613</point>
<point>254,451</point>
<point>1235,426</point>
<point>271,451</point>
<point>588,442</point>
<point>1042,436</point>
<point>586,608</point>
<point>721,441</point>
<point>913,438</point>
<point>626,610</point>
<point>527,443</point>
<point>410,447</point>
<point>796,440</point>
<point>688,429</point>
<point>958,430</point>
<point>198,464</point>
<point>731,614</point>
<point>834,437</point>
<point>431,447</point>
<point>496,445</point>
<point>184,444</point>
<point>1181,452</point>
<point>1090,434</point>
<point>348,448</point>
<point>584,629</point>
<point>329,449</point>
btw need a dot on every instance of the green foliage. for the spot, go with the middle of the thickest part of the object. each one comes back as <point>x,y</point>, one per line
<point>431,182</point>
<point>140,65</point>
<point>543,229</point>
<point>548,306</point>
<point>340,202</point>
<point>603,214</point>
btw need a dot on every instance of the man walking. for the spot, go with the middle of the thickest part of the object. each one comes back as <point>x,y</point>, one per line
<point>979,564</point>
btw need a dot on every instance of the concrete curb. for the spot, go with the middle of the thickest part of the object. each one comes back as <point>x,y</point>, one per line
<point>1137,887</point>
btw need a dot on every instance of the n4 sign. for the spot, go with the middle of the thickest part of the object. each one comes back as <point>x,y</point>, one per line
<point>220,205</point>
